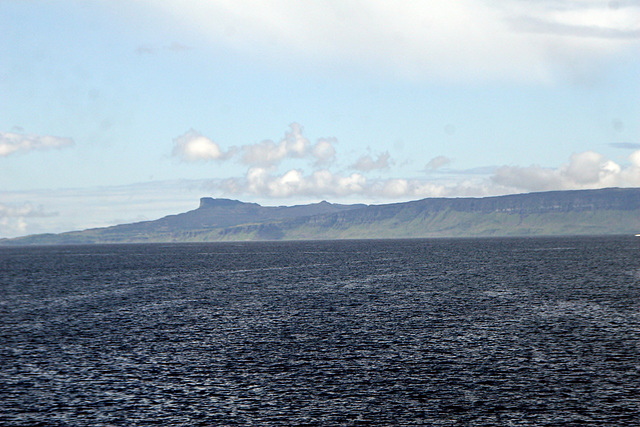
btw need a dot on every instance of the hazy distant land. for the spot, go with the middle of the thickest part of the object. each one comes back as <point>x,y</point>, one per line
<point>578,212</point>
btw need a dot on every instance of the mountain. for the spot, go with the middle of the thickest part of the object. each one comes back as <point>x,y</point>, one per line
<point>195,225</point>
<point>576,212</point>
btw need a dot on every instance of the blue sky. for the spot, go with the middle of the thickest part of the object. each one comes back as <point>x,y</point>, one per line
<point>114,111</point>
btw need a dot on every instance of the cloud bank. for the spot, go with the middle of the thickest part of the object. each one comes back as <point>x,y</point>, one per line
<point>583,171</point>
<point>12,143</point>
<point>587,170</point>
<point>266,178</point>
<point>450,40</point>
<point>324,183</point>
<point>293,183</point>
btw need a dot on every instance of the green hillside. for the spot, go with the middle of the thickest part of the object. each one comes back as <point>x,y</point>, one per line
<point>583,212</point>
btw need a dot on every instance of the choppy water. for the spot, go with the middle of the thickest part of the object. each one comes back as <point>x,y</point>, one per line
<point>524,332</point>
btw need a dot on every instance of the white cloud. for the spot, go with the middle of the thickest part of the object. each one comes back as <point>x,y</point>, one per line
<point>395,188</point>
<point>367,163</point>
<point>584,170</point>
<point>592,19</point>
<point>635,158</point>
<point>192,147</point>
<point>11,143</point>
<point>267,152</point>
<point>294,145</point>
<point>323,151</point>
<point>261,182</point>
<point>12,227</point>
<point>451,40</point>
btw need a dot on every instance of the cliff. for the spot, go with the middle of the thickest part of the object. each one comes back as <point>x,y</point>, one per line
<point>578,212</point>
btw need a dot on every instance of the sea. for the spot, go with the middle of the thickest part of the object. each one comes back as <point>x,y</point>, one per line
<point>430,332</point>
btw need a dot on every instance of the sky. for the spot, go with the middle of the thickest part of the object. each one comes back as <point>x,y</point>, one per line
<point>120,111</point>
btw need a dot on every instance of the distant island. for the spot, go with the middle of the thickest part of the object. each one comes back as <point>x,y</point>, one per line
<point>577,212</point>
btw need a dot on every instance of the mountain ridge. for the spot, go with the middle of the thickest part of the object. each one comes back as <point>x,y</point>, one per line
<point>570,212</point>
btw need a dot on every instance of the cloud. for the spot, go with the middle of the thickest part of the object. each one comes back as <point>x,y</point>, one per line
<point>452,40</point>
<point>267,152</point>
<point>261,182</point>
<point>480,170</point>
<point>177,47</point>
<point>193,147</point>
<point>145,50</point>
<point>66,209</point>
<point>625,145</point>
<point>11,143</point>
<point>294,145</point>
<point>591,19</point>
<point>367,163</point>
<point>13,217</point>
<point>323,151</point>
<point>23,210</point>
<point>437,163</point>
<point>73,209</point>
<point>584,170</point>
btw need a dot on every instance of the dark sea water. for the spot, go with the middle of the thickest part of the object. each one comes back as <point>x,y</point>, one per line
<point>522,332</point>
